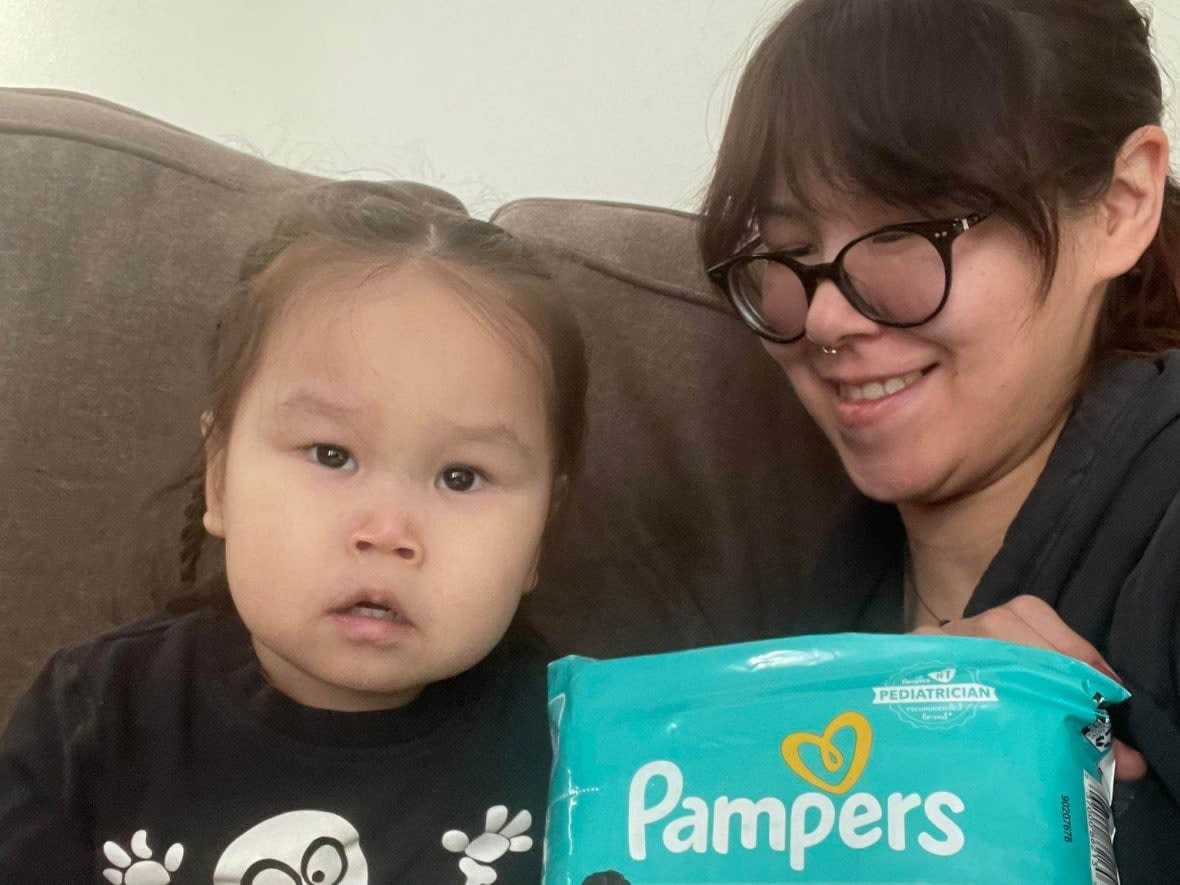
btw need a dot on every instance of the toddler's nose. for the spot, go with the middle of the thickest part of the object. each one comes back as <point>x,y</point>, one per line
<point>390,531</point>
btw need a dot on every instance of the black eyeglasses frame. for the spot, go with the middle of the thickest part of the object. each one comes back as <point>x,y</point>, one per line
<point>941,233</point>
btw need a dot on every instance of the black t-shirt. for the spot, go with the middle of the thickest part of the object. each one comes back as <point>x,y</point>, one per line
<point>158,753</point>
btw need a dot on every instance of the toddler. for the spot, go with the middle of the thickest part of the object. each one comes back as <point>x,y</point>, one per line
<point>395,411</point>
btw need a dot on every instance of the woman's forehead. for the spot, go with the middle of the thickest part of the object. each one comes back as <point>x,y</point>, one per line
<point>824,204</point>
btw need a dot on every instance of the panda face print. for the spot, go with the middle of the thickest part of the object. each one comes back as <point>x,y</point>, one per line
<point>295,848</point>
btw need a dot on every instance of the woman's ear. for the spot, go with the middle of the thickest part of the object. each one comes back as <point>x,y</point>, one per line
<point>1130,209</point>
<point>214,481</point>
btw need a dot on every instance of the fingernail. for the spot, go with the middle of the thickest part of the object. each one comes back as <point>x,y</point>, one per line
<point>1104,667</point>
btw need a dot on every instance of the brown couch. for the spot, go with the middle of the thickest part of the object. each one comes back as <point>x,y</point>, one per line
<point>705,486</point>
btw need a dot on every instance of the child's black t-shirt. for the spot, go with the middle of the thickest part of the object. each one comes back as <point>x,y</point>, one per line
<point>159,754</point>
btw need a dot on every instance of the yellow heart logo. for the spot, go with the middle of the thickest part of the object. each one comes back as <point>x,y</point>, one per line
<point>830,755</point>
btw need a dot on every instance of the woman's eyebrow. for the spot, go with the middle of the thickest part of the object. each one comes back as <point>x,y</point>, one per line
<point>779,210</point>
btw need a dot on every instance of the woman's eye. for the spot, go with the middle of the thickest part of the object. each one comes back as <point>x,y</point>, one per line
<point>798,252</point>
<point>887,237</point>
<point>459,479</point>
<point>330,456</point>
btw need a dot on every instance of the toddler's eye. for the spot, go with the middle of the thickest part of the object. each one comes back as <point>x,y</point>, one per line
<point>459,479</point>
<point>330,456</point>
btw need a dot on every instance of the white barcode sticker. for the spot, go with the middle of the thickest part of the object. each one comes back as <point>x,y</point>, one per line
<point>1100,823</point>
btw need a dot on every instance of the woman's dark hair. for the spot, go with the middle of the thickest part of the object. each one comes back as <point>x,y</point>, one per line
<point>373,226</point>
<point>1016,105</point>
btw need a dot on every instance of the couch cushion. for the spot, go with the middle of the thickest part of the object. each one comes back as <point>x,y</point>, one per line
<point>119,235</point>
<point>706,487</point>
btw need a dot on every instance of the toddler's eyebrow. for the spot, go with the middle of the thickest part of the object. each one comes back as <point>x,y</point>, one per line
<point>304,400</point>
<point>490,433</point>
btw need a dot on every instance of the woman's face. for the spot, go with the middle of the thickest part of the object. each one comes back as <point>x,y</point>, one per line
<point>972,399</point>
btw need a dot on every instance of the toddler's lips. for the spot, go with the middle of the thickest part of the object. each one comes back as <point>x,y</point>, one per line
<point>371,617</point>
<point>375,611</point>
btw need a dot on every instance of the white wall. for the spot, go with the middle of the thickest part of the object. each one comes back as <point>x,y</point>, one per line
<point>490,99</point>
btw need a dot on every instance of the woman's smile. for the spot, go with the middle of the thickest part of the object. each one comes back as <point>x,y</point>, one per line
<point>865,399</point>
<point>876,390</point>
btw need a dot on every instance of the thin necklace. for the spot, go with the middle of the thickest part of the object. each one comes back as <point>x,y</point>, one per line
<point>911,588</point>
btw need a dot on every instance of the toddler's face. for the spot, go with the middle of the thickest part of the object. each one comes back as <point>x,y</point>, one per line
<point>384,489</point>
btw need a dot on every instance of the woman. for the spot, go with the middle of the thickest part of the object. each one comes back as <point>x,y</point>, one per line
<point>953,227</point>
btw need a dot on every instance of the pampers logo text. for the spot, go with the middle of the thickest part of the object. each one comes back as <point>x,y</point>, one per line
<point>693,823</point>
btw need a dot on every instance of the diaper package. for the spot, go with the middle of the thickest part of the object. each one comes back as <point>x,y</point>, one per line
<point>831,759</point>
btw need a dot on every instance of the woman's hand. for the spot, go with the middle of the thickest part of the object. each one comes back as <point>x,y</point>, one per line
<point>1029,620</point>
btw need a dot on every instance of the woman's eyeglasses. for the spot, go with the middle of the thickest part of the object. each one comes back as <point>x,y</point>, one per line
<point>897,275</point>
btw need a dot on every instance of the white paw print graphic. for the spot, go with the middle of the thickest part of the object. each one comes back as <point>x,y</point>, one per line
<point>499,837</point>
<point>141,869</point>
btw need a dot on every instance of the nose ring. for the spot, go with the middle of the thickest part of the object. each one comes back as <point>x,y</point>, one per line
<point>827,351</point>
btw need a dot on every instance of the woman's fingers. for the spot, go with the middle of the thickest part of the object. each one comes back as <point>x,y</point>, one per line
<point>1029,620</point>
<point>1129,764</point>
<point>1043,620</point>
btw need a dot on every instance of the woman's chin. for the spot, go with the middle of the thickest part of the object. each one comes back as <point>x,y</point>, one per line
<point>892,483</point>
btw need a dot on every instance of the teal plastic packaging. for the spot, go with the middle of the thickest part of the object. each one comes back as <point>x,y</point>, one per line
<point>831,759</point>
